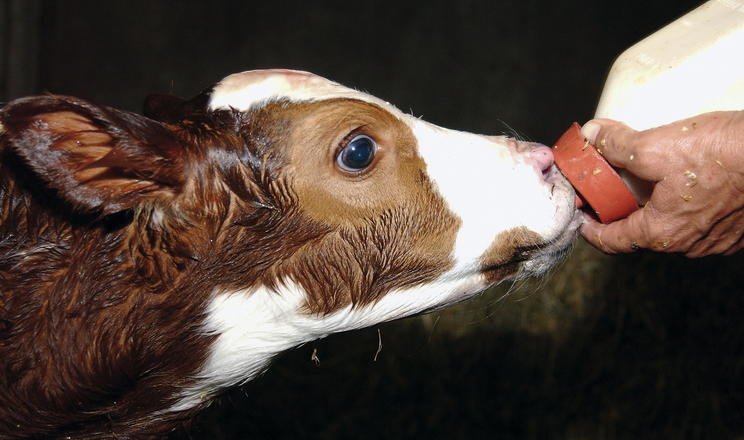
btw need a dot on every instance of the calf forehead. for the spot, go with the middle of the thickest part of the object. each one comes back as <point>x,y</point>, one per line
<point>245,90</point>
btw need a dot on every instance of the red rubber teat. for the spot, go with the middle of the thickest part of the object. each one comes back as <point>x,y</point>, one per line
<point>599,188</point>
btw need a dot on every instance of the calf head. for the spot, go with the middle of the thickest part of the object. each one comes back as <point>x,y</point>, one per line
<point>183,250</point>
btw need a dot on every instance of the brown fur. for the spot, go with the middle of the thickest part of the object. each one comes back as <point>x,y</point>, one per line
<point>116,229</point>
<point>510,248</point>
<point>390,226</point>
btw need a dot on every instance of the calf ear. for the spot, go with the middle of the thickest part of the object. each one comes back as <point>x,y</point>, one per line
<point>97,158</point>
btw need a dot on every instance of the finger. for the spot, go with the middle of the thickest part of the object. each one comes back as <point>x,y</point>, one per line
<point>610,240</point>
<point>622,146</point>
<point>735,248</point>
<point>615,140</point>
<point>723,236</point>
<point>622,236</point>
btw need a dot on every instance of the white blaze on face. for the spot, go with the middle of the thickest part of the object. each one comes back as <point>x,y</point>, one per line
<point>490,186</point>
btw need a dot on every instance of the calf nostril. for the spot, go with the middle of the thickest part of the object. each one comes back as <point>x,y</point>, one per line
<point>542,157</point>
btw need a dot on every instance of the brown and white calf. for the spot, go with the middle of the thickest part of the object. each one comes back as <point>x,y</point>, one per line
<point>148,263</point>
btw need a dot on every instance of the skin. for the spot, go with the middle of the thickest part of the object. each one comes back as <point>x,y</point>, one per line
<point>696,167</point>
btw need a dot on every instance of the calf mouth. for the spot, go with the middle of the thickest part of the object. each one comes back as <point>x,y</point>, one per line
<point>549,254</point>
<point>534,257</point>
<point>533,260</point>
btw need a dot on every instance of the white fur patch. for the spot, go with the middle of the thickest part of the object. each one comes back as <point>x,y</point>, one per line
<point>245,90</point>
<point>491,188</point>
<point>253,327</point>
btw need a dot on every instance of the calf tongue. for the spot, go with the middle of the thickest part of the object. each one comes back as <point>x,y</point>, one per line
<point>599,188</point>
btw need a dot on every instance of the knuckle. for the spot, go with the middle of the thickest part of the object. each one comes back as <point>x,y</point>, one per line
<point>646,146</point>
<point>607,134</point>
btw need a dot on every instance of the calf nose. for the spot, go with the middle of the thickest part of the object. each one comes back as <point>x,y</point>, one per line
<point>542,157</point>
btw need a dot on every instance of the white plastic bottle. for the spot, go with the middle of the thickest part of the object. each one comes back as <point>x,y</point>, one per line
<point>691,66</point>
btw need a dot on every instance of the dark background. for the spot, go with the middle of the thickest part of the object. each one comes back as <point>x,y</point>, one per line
<point>639,346</point>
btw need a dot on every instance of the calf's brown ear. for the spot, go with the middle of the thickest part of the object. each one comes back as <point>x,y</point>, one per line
<point>98,159</point>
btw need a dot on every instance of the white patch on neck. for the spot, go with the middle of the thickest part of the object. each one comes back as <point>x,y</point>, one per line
<point>252,327</point>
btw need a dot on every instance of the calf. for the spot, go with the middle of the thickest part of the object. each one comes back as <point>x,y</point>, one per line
<point>148,263</point>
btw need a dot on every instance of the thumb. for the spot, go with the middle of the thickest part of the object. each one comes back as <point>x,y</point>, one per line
<point>622,146</point>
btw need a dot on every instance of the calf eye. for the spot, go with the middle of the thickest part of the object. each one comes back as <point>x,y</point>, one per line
<point>357,154</point>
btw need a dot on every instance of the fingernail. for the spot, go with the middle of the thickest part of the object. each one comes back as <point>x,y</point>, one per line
<point>590,130</point>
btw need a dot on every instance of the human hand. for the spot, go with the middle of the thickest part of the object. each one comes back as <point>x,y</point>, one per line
<point>697,167</point>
